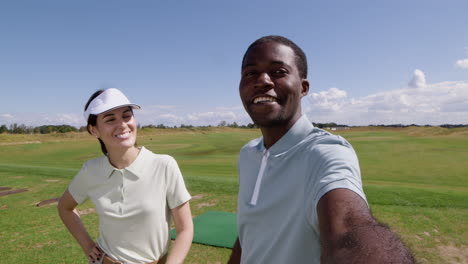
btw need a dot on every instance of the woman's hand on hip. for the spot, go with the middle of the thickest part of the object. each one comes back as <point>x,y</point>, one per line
<point>95,254</point>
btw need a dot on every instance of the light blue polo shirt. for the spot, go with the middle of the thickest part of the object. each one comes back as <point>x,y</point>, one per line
<point>279,189</point>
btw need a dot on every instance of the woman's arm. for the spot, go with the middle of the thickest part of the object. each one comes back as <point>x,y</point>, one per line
<point>71,219</point>
<point>184,228</point>
<point>236,253</point>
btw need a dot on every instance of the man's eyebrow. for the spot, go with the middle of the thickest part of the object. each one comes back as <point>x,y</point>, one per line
<point>273,63</point>
<point>248,65</point>
<point>278,62</point>
<point>126,111</point>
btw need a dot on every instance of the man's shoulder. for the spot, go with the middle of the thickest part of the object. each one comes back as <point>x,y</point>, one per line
<point>322,137</point>
<point>322,146</point>
<point>327,148</point>
<point>252,145</point>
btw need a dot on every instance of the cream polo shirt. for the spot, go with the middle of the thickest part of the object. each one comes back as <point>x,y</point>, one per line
<point>133,204</point>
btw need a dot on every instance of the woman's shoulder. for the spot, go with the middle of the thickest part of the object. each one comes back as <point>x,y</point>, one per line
<point>96,162</point>
<point>157,157</point>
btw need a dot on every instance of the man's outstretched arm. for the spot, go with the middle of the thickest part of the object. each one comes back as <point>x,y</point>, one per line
<point>349,233</point>
<point>236,253</point>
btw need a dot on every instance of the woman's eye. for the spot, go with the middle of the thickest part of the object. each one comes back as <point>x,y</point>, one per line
<point>109,120</point>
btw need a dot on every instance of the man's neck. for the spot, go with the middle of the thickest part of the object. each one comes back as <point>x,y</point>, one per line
<point>272,134</point>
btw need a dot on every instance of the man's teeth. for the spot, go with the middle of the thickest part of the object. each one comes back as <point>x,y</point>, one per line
<point>124,135</point>
<point>264,99</point>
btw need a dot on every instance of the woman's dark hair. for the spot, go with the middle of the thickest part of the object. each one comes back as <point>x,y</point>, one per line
<point>92,119</point>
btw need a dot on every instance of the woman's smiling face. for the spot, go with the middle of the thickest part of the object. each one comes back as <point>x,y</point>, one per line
<point>117,128</point>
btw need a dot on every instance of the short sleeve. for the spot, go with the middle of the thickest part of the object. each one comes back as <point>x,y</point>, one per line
<point>78,188</point>
<point>337,168</point>
<point>176,192</point>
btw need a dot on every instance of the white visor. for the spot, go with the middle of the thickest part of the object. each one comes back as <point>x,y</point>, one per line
<point>110,99</point>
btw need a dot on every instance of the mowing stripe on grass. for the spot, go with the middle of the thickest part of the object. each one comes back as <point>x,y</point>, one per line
<point>13,192</point>
<point>38,170</point>
<point>415,197</point>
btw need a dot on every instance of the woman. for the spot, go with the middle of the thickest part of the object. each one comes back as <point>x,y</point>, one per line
<point>135,192</point>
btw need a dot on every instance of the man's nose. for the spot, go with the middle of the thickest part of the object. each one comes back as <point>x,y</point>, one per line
<point>263,81</point>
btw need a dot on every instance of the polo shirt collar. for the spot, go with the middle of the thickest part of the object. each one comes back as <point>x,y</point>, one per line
<point>300,130</point>
<point>136,167</point>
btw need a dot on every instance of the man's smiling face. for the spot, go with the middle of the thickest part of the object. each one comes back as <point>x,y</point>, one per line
<point>271,87</point>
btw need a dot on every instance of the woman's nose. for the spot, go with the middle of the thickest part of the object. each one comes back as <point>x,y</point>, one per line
<point>122,123</point>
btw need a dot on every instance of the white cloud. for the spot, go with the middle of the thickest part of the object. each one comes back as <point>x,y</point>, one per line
<point>177,115</point>
<point>39,119</point>
<point>462,63</point>
<point>61,118</point>
<point>418,80</point>
<point>330,100</point>
<point>212,116</point>
<point>166,119</point>
<point>7,116</point>
<point>420,103</point>
<point>161,107</point>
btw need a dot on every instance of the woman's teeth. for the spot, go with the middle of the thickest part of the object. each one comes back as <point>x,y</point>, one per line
<point>124,135</point>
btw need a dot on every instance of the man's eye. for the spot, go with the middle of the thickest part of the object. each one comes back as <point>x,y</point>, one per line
<point>249,73</point>
<point>109,120</point>
<point>280,72</point>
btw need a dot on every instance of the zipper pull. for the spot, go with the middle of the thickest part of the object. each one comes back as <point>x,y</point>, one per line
<point>254,198</point>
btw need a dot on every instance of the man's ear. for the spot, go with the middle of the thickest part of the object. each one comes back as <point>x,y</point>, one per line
<point>305,87</point>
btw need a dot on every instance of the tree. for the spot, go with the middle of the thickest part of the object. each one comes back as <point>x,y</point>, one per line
<point>222,123</point>
<point>3,129</point>
<point>234,125</point>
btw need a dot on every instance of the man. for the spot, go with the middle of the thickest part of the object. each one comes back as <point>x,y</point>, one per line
<point>300,191</point>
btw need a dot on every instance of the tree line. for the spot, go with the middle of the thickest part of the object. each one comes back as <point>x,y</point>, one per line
<point>415,125</point>
<point>220,124</point>
<point>47,129</point>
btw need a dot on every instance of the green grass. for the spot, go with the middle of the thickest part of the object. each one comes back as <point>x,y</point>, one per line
<point>415,180</point>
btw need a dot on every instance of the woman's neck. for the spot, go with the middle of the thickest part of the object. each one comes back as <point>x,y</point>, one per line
<point>122,158</point>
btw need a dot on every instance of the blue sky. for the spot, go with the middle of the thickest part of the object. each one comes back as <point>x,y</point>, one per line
<point>371,62</point>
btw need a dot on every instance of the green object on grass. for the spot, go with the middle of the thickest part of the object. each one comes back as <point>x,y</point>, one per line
<point>214,228</point>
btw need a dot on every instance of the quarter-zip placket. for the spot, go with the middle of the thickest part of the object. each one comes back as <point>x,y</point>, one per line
<point>253,200</point>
